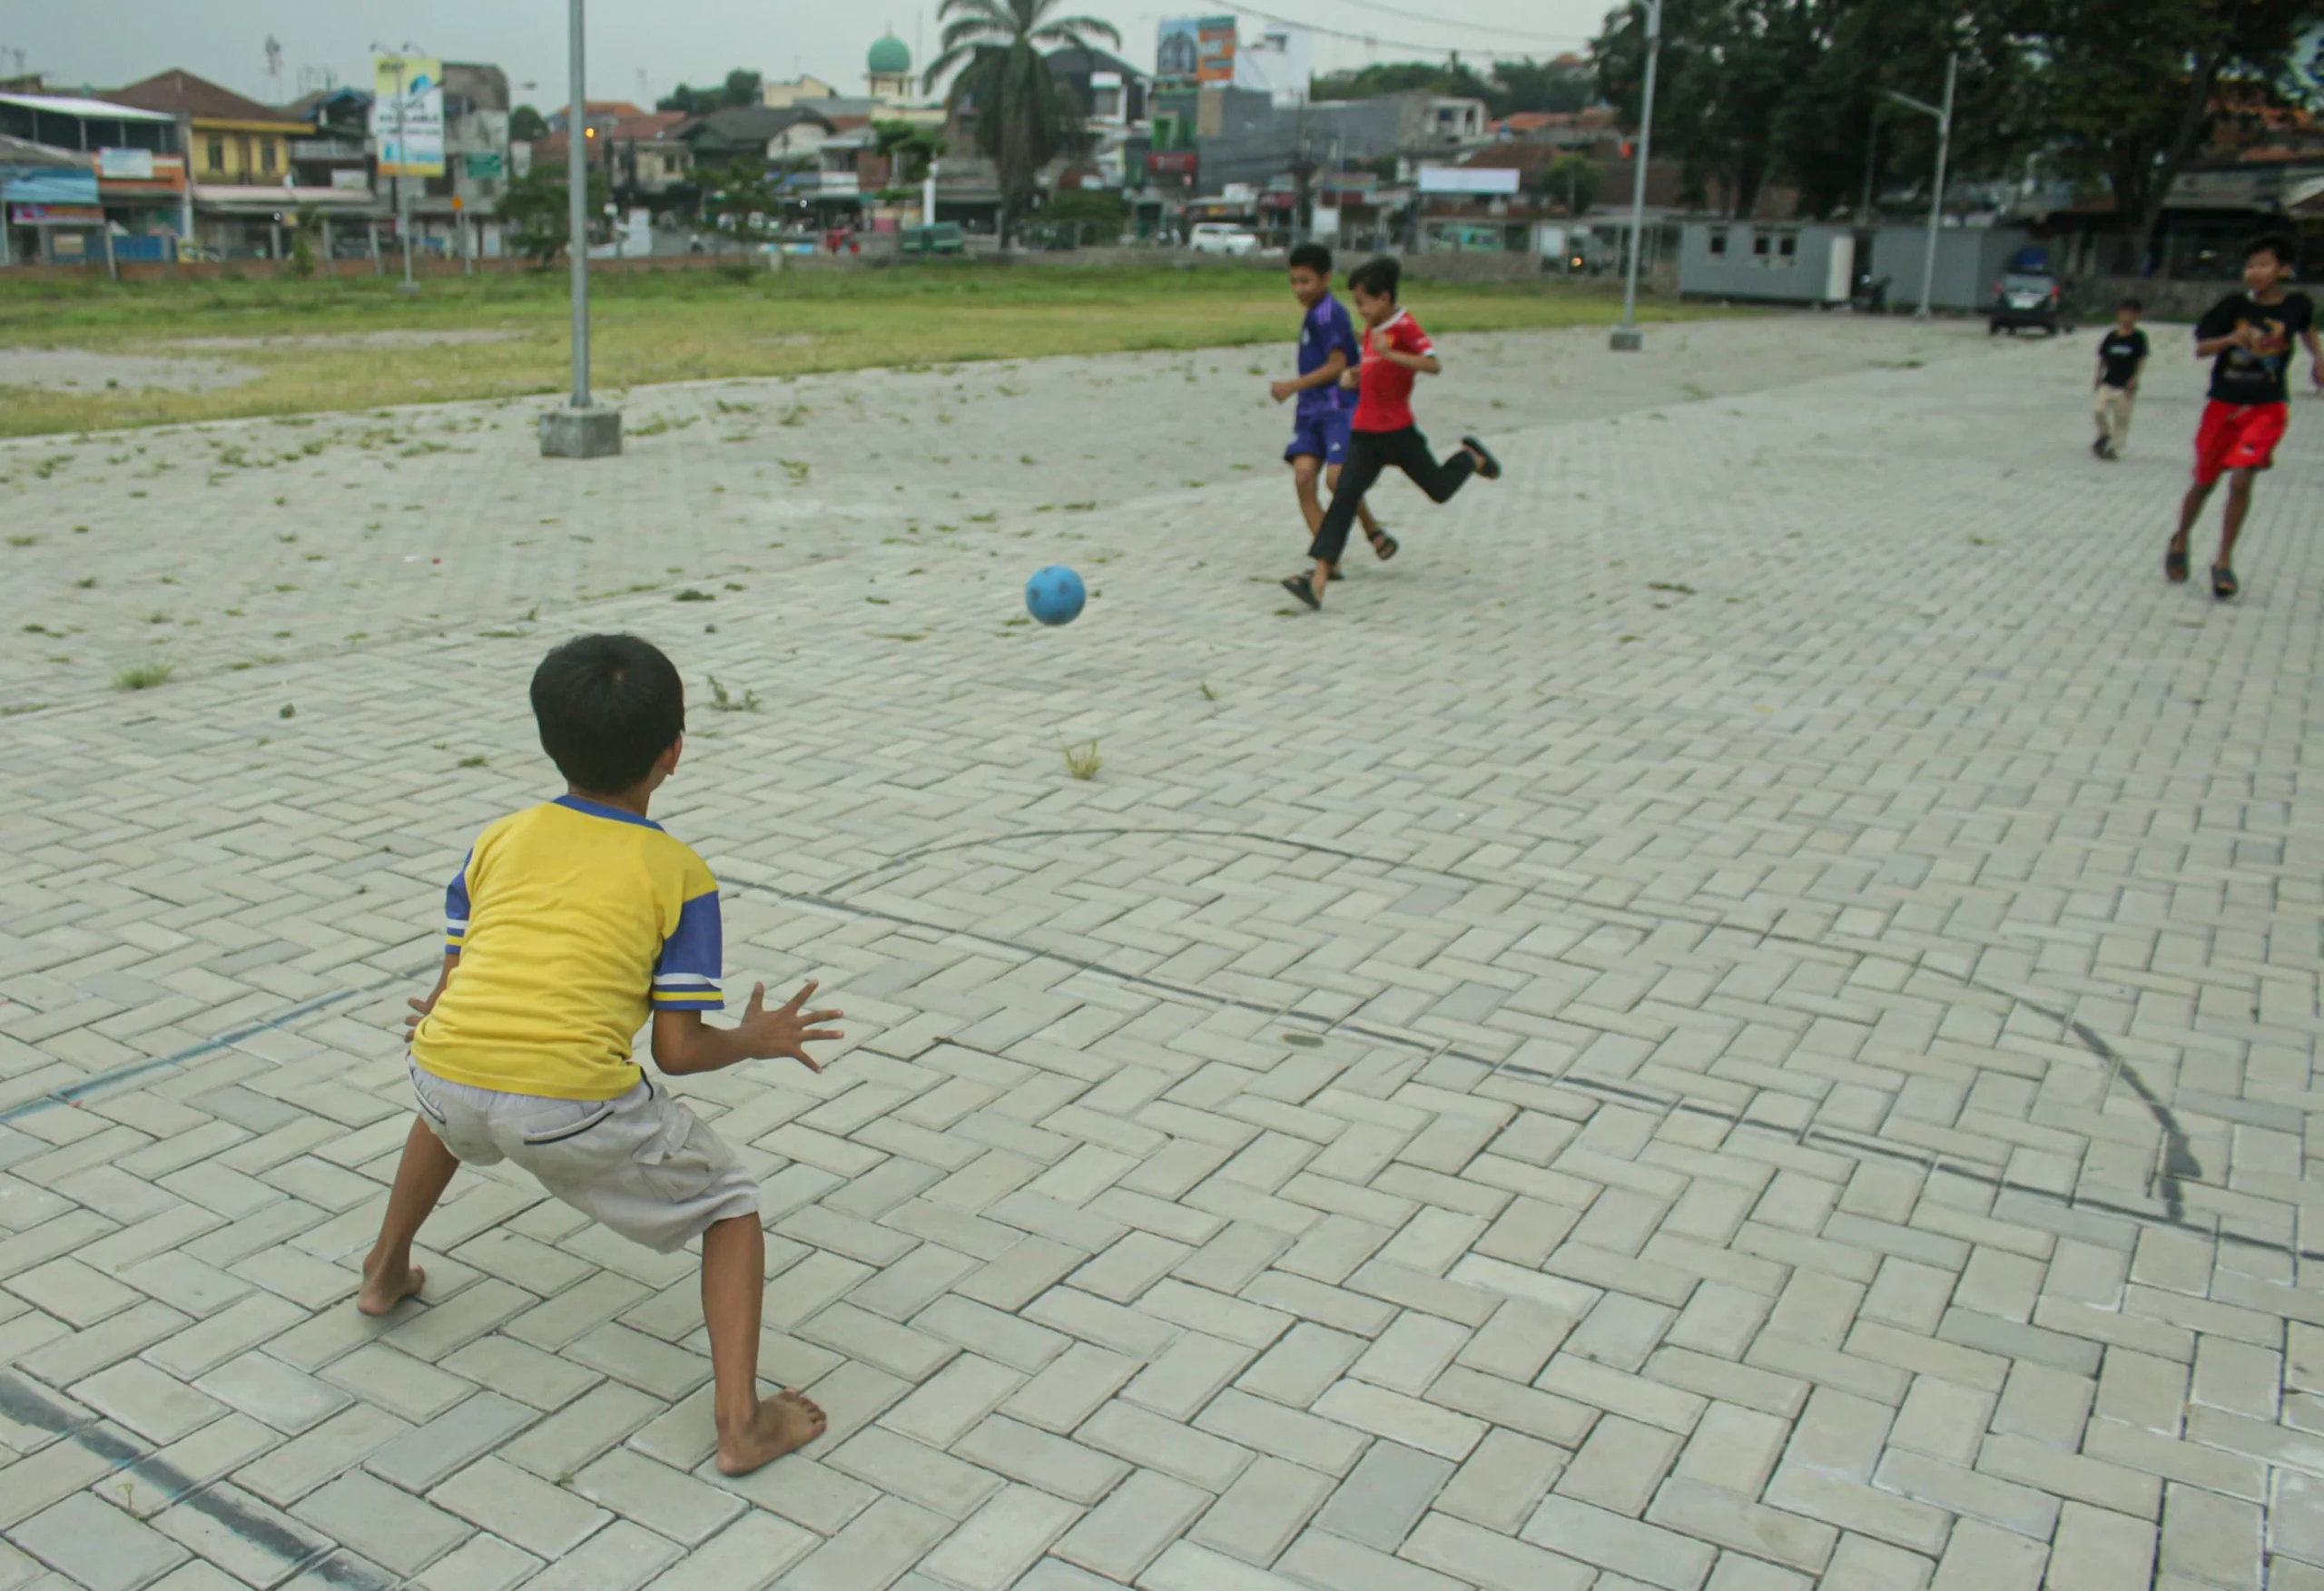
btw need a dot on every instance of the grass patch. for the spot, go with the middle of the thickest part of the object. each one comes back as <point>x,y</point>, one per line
<point>1082,761</point>
<point>143,676</point>
<point>675,326</point>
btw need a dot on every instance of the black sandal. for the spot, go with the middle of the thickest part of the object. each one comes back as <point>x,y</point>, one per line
<point>1487,465</point>
<point>1302,587</point>
<point>2223,582</point>
<point>1383,545</point>
<point>2174,565</point>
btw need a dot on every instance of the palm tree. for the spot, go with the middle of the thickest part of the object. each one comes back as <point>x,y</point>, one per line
<point>1023,120</point>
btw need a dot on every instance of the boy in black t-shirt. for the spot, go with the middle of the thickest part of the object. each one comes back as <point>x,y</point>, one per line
<point>2121,356</point>
<point>2249,335</point>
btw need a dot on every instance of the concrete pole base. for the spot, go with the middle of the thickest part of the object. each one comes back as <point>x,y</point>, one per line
<point>581,433</point>
<point>1628,340</point>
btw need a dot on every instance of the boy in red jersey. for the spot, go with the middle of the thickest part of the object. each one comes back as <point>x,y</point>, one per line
<point>2249,336</point>
<point>1395,351</point>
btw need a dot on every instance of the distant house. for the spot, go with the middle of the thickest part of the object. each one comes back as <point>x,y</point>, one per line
<point>784,95</point>
<point>243,185</point>
<point>752,132</point>
<point>70,167</point>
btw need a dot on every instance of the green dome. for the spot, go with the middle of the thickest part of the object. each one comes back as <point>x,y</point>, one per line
<point>889,57</point>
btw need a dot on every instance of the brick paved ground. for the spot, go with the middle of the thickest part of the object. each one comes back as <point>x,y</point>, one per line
<point>1743,1017</point>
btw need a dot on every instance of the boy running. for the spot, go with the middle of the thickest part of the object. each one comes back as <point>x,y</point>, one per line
<point>1327,350</point>
<point>2249,336</point>
<point>2121,357</point>
<point>567,925</point>
<point>1381,432</point>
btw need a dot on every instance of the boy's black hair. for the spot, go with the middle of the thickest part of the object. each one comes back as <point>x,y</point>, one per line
<point>609,706</point>
<point>1377,279</point>
<point>2132,305</point>
<point>2286,251</point>
<point>1312,256</point>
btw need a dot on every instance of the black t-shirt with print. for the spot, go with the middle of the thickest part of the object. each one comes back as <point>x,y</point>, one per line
<point>2123,351</point>
<point>2255,376</point>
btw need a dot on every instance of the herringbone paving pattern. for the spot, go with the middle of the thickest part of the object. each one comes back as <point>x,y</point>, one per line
<point>1743,1017</point>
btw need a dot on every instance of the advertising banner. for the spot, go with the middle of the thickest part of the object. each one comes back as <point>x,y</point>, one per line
<point>1194,52</point>
<point>408,115</point>
<point>125,165</point>
<point>1177,51</point>
<point>49,184</point>
<point>1215,51</point>
<point>1468,179</point>
<point>58,215</point>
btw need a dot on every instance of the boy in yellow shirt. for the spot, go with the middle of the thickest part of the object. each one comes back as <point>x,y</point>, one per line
<point>569,924</point>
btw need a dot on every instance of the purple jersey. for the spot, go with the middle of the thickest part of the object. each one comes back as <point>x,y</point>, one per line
<point>1326,327</point>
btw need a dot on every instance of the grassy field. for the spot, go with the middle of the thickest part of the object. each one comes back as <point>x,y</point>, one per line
<point>659,327</point>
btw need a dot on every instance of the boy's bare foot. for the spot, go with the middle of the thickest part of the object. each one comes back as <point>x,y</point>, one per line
<point>384,1288</point>
<point>783,1424</point>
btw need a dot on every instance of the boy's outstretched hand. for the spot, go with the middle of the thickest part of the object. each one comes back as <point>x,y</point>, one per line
<point>783,1033</point>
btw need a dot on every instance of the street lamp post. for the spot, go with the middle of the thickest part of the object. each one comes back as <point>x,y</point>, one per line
<point>1944,114</point>
<point>581,428</point>
<point>1627,338</point>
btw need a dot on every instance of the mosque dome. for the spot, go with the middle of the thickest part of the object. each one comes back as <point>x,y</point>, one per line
<point>890,57</point>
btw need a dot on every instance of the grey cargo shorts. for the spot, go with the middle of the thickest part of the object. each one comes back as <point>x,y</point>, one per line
<point>643,1164</point>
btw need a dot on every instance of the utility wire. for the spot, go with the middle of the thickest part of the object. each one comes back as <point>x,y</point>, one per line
<point>1373,39</point>
<point>1506,32</point>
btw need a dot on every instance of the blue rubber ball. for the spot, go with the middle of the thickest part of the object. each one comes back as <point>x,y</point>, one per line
<point>1054,595</point>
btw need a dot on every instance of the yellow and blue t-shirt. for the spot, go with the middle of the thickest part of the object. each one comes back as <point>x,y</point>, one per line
<point>572,922</point>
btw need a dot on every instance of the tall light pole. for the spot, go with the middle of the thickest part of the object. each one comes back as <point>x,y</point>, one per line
<point>581,429</point>
<point>1627,338</point>
<point>1944,114</point>
<point>403,158</point>
<point>576,193</point>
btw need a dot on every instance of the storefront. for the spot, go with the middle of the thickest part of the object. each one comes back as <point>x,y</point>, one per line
<point>50,213</point>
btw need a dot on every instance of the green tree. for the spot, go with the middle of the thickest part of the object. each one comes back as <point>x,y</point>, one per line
<point>742,203</point>
<point>2134,89</point>
<point>526,124</point>
<point>1727,69</point>
<point>742,88</point>
<point>1387,77</point>
<point>1572,182</point>
<point>1023,119</point>
<point>691,102</point>
<point>306,232</point>
<point>909,146</point>
<point>533,208</point>
<point>1566,85</point>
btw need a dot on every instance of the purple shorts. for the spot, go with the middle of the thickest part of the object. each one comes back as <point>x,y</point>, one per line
<point>1320,435</point>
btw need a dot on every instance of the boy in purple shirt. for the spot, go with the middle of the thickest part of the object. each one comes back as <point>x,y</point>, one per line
<point>1327,349</point>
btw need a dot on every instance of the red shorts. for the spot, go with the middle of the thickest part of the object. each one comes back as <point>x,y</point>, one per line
<point>2238,436</point>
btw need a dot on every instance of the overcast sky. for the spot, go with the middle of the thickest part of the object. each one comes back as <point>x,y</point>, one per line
<point>662,41</point>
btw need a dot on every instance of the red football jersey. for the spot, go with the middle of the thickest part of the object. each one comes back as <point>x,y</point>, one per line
<point>1384,399</point>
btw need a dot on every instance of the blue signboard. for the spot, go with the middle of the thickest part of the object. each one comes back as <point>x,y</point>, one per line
<point>49,184</point>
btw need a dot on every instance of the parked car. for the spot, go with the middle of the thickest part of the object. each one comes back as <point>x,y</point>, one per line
<point>2027,295</point>
<point>1219,236</point>
<point>943,237</point>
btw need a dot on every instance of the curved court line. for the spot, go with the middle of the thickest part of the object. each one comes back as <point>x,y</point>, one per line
<point>2175,1164</point>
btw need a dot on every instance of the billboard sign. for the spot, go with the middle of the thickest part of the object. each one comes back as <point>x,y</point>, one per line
<point>408,115</point>
<point>1177,49</point>
<point>1215,57</point>
<point>125,165</point>
<point>1194,52</point>
<point>27,185</point>
<point>59,215</point>
<point>1468,179</point>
